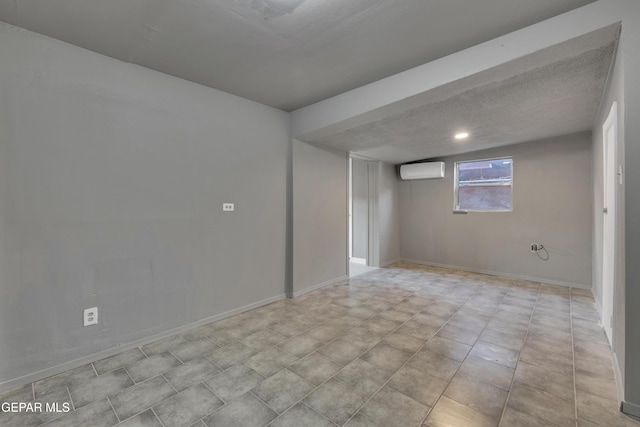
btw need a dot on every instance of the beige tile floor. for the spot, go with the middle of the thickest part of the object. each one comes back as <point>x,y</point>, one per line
<point>401,346</point>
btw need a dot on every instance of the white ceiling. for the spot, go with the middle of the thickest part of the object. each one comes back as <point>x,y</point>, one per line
<point>283,53</point>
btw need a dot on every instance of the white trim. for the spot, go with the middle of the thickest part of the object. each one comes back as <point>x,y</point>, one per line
<point>54,370</point>
<point>338,280</point>
<point>630,409</point>
<point>609,226</point>
<point>373,237</point>
<point>617,373</point>
<point>350,208</point>
<point>501,274</point>
<point>360,261</point>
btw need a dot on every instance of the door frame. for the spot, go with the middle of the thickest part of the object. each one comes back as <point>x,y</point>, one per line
<point>373,167</point>
<point>609,211</point>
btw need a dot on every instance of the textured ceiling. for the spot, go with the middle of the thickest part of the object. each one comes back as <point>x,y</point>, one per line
<point>283,53</point>
<point>552,92</point>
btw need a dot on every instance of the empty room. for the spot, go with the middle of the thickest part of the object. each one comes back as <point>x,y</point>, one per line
<point>319,213</point>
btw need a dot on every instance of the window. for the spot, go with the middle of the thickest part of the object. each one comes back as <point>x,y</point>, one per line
<point>484,185</point>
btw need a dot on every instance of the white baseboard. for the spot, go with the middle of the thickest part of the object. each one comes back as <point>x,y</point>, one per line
<point>500,274</point>
<point>631,409</point>
<point>597,304</point>
<point>360,261</point>
<point>617,373</point>
<point>341,279</point>
<point>54,370</point>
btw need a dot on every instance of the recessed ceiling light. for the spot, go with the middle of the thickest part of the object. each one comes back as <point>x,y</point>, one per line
<point>461,135</point>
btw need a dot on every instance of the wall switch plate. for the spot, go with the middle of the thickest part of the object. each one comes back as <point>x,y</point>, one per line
<point>228,207</point>
<point>91,316</point>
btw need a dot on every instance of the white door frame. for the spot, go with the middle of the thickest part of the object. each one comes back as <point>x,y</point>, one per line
<point>373,255</point>
<point>609,175</point>
<point>350,203</point>
<point>359,217</point>
<point>373,169</point>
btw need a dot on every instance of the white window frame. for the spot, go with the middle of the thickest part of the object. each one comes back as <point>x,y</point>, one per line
<point>456,185</point>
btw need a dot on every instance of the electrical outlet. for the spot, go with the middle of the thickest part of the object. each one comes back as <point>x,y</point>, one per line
<point>91,316</point>
<point>228,207</point>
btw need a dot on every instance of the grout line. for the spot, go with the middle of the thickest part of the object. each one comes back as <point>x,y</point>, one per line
<point>177,393</point>
<point>467,355</point>
<point>414,354</point>
<point>314,388</point>
<point>73,405</point>
<point>343,366</point>
<point>216,365</point>
<point>157,417</point>
<point>286,411</point>
<point>179,360</point>
<point>524,341</point>
<point>214,393</point>
<point>265,403</point>
<point>143,353</point>
<point>132,380</point>
<point>214,343</point>
<point>172,386</point>
<point>113,409</point>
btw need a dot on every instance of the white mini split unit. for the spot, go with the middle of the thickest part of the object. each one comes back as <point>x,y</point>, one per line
<point>430,170</point>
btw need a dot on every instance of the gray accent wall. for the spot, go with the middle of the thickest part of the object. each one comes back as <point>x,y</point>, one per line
<point>552,205</point>
<point>112,179</point>
<point>320,180</point>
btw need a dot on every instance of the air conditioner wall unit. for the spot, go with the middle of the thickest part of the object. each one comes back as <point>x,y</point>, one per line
<point>429,170</point>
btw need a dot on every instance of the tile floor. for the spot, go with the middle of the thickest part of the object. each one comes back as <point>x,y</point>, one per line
<point>356,269</point>
<point>401,346</point>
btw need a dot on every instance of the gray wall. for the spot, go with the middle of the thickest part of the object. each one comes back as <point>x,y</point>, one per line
<point>320,180</point>
<point>97,112</point>
<point>614,92</point>
<point>630,40</point>
<point>361,104</point>
<point>113,177</point>
<point>360,208</point>
<point>552,202</point>
<point>388,214</point>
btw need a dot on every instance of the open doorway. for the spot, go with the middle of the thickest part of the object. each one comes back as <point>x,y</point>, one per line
<point>362,216</point>
<point>610,175</point>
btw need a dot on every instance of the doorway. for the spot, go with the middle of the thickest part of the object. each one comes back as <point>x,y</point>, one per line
<point>610,175</point>
<point>362,215</point>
